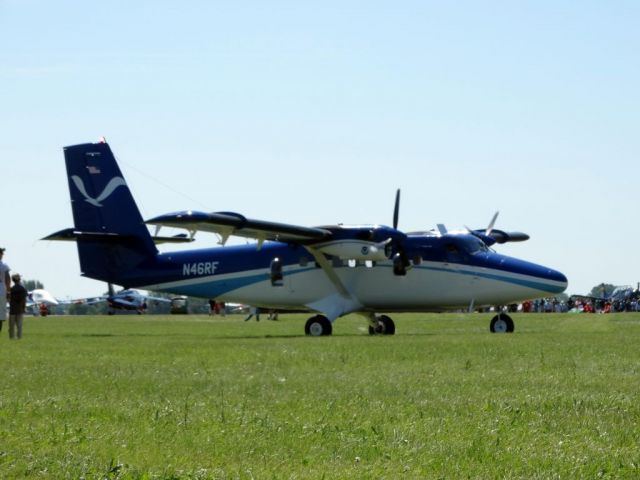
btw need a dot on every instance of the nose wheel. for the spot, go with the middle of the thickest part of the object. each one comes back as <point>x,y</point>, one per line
<point>381,325</point>
<point>501,323</point>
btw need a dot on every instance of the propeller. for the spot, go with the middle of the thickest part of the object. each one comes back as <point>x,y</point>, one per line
<point>400,260</point>
<point>497,236</point>
<point>396,210</point>
<point>491,224</point>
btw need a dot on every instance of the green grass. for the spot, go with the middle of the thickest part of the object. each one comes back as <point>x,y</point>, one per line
<point>194,397</point>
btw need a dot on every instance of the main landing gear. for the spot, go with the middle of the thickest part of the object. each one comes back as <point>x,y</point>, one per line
<point>501,323</point>
<point>318,326</point>
<point>381,325</point>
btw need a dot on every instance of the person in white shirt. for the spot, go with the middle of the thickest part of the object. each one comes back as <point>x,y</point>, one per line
<point>5,287</point>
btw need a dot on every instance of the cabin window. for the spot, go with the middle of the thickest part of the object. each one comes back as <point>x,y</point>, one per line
<point>473,246</point>
<point>336,261</point>
<point>304,261</point>
<point>352,263</point>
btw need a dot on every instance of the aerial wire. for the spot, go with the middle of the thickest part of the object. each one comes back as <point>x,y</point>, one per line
<point>159,182</point>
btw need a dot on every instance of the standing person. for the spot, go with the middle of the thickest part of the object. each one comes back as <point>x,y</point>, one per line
<point>253,311</point>
<point>5,286</point>
<point>17,304</point>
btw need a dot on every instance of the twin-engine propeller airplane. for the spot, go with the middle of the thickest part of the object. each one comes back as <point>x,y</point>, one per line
<point>332,270</point>
<point>128,299</point>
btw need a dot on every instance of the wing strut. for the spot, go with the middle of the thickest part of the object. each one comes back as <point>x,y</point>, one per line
<point>329,271</point>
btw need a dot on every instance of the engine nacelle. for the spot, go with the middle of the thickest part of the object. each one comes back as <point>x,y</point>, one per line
<point>358,250</point>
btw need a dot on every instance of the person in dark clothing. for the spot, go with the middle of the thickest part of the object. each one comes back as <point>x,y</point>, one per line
<point>17,305</point>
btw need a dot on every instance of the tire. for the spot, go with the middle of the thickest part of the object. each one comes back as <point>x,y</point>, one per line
<point>501,323</point>
<point>318,326</point>
<point>384,326</point>
<point>389,328</point>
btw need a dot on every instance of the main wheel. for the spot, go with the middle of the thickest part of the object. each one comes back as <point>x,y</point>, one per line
<point>501,323</point>
<point>318,326</point>
<point>384,326</point>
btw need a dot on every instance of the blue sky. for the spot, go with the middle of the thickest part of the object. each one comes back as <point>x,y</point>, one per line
<point>315,113</point>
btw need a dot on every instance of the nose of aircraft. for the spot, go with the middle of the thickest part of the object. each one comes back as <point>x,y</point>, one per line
<point>537,276</point>
<point>558,277</point>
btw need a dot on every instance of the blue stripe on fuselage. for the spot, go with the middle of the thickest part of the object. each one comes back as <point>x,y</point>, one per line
<point>209,287</point>
<point>491,264</point>
<point>545,287</point>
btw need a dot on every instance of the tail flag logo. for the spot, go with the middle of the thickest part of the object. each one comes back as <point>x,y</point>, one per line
<point>114,183</point>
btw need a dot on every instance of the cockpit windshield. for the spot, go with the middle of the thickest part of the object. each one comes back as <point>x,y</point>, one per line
<point>472,245</point>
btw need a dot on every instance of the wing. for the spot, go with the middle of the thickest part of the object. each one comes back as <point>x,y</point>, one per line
<point>158,299</point>
<point>226,224</point>
<point>86,301</point>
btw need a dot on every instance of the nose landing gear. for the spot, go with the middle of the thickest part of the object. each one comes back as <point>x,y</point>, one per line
<point>501,323</point>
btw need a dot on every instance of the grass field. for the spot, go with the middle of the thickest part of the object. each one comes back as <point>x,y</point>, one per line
<point>196,398</point>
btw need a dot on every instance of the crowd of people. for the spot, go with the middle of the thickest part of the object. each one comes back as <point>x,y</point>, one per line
<point>16,295</point>
<point>579,304</point>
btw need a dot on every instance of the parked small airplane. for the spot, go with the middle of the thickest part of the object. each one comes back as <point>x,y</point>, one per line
<point>128,299</point>
<point>333,270</point>
<point>40,301</point>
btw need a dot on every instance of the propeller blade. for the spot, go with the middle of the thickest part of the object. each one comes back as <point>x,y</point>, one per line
<point>492,223</point>
<point>396,210</point>
<point>111,291</point>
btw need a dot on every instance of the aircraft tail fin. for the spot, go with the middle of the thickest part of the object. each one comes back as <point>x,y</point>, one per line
<point>112,237</point>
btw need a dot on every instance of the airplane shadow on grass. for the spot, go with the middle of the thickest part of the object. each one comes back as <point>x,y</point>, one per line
<point>232,337</point>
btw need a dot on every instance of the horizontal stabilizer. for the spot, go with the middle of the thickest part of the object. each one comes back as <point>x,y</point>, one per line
<point>71,234</point>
